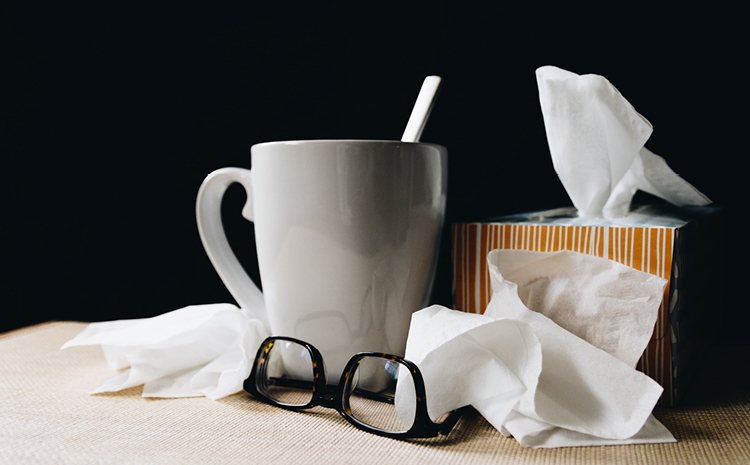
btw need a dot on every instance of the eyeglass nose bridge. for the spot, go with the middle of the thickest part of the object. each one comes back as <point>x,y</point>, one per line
<point>326,395</point>
<point>329,395</point>
<point>331,402</point>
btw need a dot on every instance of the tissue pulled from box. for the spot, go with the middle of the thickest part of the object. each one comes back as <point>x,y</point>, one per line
<point>199,350</point>
<point>523,368</point>
<point>596,139</point>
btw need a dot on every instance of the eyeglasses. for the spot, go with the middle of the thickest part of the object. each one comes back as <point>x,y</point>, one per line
<point>379,393</point>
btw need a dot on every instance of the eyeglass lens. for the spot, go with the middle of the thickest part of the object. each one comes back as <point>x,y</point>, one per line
<point>382,394</point>
<point>288,375</point>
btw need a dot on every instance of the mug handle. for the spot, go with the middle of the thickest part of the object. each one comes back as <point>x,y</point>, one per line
<point>208,217</point>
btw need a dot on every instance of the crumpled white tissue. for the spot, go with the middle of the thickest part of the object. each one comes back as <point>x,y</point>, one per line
<point>532,378</point>
<point>200,350</point>
<point>596,139</point>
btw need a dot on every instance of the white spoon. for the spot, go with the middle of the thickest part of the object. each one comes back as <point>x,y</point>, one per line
<point>421,110</point>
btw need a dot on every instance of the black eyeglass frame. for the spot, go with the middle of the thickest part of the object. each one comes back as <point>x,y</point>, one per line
<point>422,427</point>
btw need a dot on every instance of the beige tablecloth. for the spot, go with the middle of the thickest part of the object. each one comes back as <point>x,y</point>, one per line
<point>47,417</point>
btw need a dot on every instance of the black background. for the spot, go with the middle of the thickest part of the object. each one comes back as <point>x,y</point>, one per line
<point>114,112</point>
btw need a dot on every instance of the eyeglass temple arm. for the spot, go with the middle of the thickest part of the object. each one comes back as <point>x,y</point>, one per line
<point>447,425</point>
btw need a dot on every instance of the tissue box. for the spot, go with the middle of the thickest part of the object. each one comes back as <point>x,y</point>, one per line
<point>678,244</point>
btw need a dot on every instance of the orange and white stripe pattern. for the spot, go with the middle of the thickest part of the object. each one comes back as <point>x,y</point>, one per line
<point>647,249</point>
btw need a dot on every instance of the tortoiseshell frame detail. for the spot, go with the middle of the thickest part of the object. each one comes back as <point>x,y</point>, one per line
<point>423,426</point>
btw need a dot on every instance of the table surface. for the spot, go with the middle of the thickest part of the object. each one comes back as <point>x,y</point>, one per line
<point>46,416</point>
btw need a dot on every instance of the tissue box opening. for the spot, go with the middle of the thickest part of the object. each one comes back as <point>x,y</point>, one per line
<point>678,244</point>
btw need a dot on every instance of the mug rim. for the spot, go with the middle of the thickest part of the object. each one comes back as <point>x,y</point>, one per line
<point>357,141</point>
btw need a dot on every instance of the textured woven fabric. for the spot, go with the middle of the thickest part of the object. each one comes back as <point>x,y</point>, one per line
<point>46,416</point>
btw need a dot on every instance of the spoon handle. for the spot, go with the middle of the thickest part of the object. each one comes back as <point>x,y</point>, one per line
<point>421,110</point>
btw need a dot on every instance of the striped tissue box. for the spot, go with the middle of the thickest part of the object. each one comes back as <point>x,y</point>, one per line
<point>676,244</point>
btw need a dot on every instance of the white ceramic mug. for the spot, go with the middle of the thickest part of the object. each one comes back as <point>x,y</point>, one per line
<point>347,235</point>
